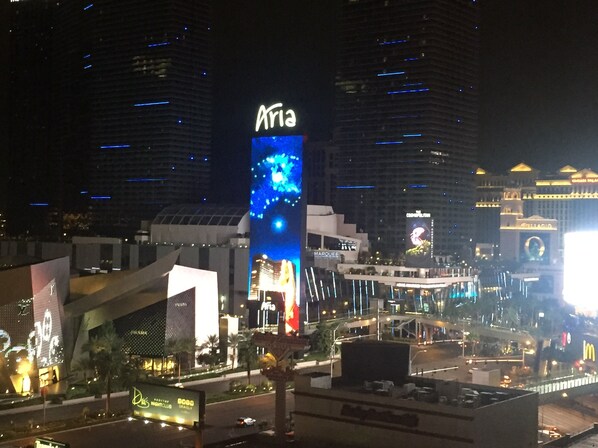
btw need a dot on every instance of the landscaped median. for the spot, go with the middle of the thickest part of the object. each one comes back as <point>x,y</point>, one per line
<point>10,431</point>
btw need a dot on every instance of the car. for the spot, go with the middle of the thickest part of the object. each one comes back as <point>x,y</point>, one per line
<point>243,422</point>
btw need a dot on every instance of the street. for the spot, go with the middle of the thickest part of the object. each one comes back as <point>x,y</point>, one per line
<point>220,425</point>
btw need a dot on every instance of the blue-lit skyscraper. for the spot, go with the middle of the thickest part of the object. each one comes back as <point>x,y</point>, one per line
<point>144,70</point>
<point>406,118</point>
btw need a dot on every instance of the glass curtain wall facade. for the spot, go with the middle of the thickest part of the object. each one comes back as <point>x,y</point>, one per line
<point>146,67</point>
<point>407,118</point>
<point>29,182</point>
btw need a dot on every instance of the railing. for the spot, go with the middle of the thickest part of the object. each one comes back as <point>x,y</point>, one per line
<point>560,384</point>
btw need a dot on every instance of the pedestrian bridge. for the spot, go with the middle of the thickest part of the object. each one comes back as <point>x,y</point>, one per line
<point>568,386</point>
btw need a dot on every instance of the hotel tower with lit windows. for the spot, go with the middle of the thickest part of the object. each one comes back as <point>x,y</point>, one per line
<point>406,118</point>
<point>136,86</point>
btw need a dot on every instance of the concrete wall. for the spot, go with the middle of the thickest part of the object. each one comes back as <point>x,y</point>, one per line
<point>352,418</point>
<point>511,423</point>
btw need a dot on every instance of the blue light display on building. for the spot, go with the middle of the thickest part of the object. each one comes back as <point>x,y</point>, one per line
<point>276,215</point>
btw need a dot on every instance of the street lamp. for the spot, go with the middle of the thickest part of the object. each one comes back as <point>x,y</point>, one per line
<point>413,357</point>
<point>465,333</point>
<point>332,347</point>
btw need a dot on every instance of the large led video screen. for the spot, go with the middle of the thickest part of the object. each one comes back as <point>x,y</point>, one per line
<point>276,217</point>
<point>49,283</point>
<point>419,240</point>
<point>534,247</point>
<point>580,271</point>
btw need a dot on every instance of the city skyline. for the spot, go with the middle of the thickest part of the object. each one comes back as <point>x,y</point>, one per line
<point>537,92</point>
<point>533,106</point>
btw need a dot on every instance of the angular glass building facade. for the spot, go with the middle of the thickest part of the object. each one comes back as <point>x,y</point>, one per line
<point>406,118</point>
<point>144,71</point>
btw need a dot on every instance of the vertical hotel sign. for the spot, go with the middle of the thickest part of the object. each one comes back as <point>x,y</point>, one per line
<point>276,213</point>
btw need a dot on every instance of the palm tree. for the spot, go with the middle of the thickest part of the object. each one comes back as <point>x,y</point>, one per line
<point>180,347</point>
<point>106,356</point>
<point>233,341</point>
<point>248,352</point>
<point>83,365</point>
<point>212,345</point>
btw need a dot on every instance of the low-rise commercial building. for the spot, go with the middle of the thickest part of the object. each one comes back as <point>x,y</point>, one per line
<point>372,406</point>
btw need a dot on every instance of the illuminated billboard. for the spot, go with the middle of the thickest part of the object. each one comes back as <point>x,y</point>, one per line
<point>534,247</point>
<point>48,328</point>
<point>184,407</point>
<point>50,289</point>
<point>419,239</point>
<point>277,217</point>
<point>580,271</point>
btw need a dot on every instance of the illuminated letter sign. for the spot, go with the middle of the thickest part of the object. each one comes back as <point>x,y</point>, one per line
<point>273,116</point>
<point>168,404</point>
<point>42,442</point>
<point>589,352</point>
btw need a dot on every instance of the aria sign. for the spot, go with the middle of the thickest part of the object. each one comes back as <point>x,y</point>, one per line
<point>273,116</point>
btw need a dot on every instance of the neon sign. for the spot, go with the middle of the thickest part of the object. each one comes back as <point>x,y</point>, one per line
<point>274,116</point>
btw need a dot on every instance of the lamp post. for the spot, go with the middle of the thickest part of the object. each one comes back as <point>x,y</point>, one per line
<point>332,347</point>
<point>411,358</point>
<point>464,333</point>
<point>527,343</point>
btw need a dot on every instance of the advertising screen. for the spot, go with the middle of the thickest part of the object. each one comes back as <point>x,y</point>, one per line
<point>168,404</point>
<point>534,247</point>
<point>276,217</point>
<point>580,271</point>
<point>48,327</point>
<point>419,240</point>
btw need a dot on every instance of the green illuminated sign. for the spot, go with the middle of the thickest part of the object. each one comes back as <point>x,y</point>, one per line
<point>168,404</point>
<point>42,442</point>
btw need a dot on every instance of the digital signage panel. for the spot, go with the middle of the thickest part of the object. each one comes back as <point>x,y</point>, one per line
<point>48,326</point>
<point>276,217</point>
<point>580,271</point>
<point>168,404</point>
<point>419,239</point>
<point>534,247</point>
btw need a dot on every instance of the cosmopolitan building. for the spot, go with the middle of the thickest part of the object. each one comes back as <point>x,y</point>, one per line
<point>406,118</point>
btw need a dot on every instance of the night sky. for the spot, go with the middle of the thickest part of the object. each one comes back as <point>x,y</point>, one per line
<point>539,84</point>
<point>539,80</point>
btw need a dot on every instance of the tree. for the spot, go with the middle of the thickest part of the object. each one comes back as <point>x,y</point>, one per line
<point>83,365</point>
<point>212,345</point>
<point>233,341</point>
<point>321,338</point>
<point>247,352</point>
<point>106,356</point>
<point>180,348</point>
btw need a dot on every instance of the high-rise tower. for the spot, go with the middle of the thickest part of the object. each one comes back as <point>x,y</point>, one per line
<point>406,118</point>
<point>28,164</point>
<point>137,83</point>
